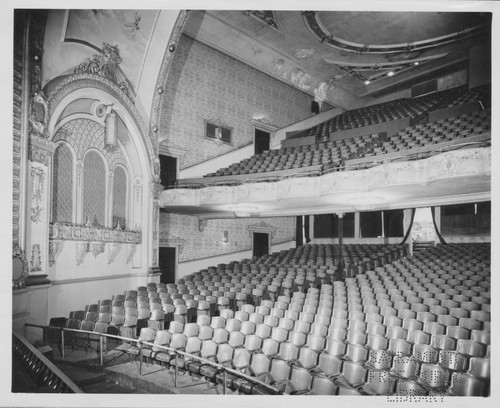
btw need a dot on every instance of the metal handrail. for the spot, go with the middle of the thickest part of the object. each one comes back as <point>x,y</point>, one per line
<point>141,343</point>
<point>54,377</point>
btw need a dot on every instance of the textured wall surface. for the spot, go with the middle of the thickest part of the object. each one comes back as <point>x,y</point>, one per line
<point>205,84</point>
<point>207,243</point>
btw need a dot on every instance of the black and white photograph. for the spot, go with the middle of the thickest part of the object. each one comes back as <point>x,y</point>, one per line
<point>249,203</point>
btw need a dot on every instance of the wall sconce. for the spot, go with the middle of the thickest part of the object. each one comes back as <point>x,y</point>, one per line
<point>111,130</point>
<point>225,237</point>
<point>110,126</point>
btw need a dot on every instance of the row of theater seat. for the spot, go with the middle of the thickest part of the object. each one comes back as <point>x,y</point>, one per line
<point>334,153</point>
<point>398,109</point>
<point>421,323</point>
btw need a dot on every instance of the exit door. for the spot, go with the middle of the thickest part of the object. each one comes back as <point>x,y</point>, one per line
<point>166,264</point>
<point>260,244</point>
<point>262,141</point>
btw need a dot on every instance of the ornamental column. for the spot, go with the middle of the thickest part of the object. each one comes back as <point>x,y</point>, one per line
<point>38,207</point>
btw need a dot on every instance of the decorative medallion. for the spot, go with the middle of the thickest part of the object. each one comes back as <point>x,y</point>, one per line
<point>303,53</point>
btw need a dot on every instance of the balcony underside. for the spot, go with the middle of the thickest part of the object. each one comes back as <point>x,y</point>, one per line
<point>453,177</point>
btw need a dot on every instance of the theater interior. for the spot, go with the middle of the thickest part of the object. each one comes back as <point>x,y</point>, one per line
<point>252,202</point>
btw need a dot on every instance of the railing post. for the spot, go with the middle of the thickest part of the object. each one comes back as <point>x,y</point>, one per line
<point>62,344</point>
<point>176,371</point>
<point>101,342</point>
<point>224,382</point>
<point>140,358</point>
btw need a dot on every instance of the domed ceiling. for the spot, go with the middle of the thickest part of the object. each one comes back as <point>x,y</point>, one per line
<point>342,56</point>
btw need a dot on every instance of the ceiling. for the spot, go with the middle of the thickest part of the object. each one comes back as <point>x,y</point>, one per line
<point>342,56</point>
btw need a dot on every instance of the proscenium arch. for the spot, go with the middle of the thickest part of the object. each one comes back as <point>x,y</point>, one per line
<point>78,86</point>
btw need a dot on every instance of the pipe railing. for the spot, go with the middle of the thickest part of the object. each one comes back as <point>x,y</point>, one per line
<point>177,353</point>
<point>41,369</point>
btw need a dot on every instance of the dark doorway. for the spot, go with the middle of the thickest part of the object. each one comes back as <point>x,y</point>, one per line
<point>167,264</point>
<point>168,170</point>
<point>260,244</point>
<point>262,140</point>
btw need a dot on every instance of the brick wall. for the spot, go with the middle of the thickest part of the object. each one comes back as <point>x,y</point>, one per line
<point>207,243</point>
<point>205,84</point>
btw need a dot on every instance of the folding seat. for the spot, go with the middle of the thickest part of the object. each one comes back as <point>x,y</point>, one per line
<point>203,320</point>
<point>471,348</point>
<point>481,336</point>
<point>146,335</point>
<point>378,383</point>
<point>271,321</point>
<point>253,343</point>
<point>322,385</point>
<point>337,334</point>
<point>128,329</point>
<point>465,385</point>
<point>217,322</point>
<point>279,334</point>
<point>278,375</point>
<point>316,343</point>
<point>248,308</point>
<point>176,327</point>
<point>319,329</point>
<point>356,353</point>
<point>447,320</point>
<point>480,367</point>
<point>156,321</point>
<point>162,338</point>
<point>353,375</point>
<point>377,342</point>
<point>241,316</point>
<point>339,314</point>
<point>396,332</point>
<point>291,314</point>
<point>356,337</point>
<point>452,360</point>
<point>358,325</point>
<point>77,315</point>
<point>412,324</point>
<point>399,347</point>
<point>405,367</point>
<point>191,330</point>
<point>263,331</point>
<point>236,339</point>
<point>406,314</point>
<point>208,352</point>
<point>409,388</point>
<point>335,347</point>
<point>434,328</point>
<point>470,324</point>
<point>155,306</point>
<point>480,315</point>
<point>247,327</point>
<point>288,352</point>
<point>433,376</point>
<point>457,332</point>
<point>458,312</point>
<point>443,342</point>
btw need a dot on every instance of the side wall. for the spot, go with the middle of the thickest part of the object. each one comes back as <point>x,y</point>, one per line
<point>201,246</point>
<point>205,84</point>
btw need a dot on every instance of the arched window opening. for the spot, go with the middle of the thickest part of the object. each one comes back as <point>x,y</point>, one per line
<point>94,189</point>
<point>119,198</point>
<point>62,192</point>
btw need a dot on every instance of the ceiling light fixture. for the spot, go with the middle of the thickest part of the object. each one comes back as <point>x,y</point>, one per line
<point>390,73</point>
<point>416,63</point>
<point>367,82</point>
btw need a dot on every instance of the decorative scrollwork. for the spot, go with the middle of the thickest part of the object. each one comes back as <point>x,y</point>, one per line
<point>20,269</point>
<point>105,64</point>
